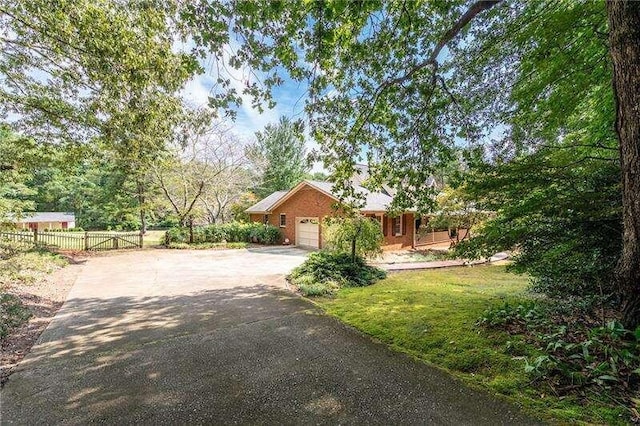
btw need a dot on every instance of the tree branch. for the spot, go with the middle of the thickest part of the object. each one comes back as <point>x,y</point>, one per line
<point>432,59</point>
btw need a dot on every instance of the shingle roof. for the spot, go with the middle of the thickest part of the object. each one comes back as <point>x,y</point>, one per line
<point>47,217</point>
<point>374,201</point>
<point>265,204</point>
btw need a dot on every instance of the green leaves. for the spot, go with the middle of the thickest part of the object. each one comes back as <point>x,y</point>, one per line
<point>359,233</point>
<point>279,157</point>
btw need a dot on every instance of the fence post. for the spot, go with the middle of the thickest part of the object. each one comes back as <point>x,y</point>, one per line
<point>86,241</point>
<point>141,239</point>
<point>35,235</point>
<point>115,242</point>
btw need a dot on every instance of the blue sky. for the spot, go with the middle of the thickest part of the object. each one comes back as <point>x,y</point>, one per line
<point>289,97</point>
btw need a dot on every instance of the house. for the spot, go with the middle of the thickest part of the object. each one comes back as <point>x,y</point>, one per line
<point>45,220</point>
<point>299,213</point>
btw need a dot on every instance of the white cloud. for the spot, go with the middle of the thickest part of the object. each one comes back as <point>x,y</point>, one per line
<point>197,90</point>
<point>290,100</point>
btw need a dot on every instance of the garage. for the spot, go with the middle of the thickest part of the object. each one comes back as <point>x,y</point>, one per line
<point>308,232</point>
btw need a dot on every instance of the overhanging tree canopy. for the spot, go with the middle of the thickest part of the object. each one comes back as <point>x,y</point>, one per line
<point>402,82</point>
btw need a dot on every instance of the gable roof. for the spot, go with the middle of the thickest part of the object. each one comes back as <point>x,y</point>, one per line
<point>374,201</point>
<point>361,175</point>
<point>46,217</point>
<point>266,204</point>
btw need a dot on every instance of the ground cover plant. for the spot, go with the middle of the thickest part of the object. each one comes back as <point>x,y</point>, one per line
<point>433,315</point>
<point>583,352</point>
<point>325,272</point>
<point>21,264</point>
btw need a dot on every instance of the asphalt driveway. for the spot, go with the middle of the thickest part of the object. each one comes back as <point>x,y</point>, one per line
<point>193,337</point>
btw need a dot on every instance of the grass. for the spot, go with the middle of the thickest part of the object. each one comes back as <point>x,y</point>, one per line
<point>153,238</point>
<point>431,316</point>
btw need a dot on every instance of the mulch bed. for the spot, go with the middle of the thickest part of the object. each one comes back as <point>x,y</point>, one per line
<point>43,299</point>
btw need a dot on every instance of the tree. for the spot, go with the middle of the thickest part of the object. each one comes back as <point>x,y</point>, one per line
<point>202,165</point>
<point>624,40</point>
<point>456,209</point>
<point>279,157</point>
<point>100,192</point>
<point>100,73</point>
<point>320,176</point>
<point>562,216</point>
<point>226,199</point>
<point>355,234</point>
<point>400,82</point>
<point>18,156</point>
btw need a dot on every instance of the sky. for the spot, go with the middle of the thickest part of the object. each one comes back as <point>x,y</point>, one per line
<point>289,97</point>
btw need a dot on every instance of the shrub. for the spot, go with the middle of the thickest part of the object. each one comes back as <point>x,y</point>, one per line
<point>232,232</point>
<point>325,272</point>
<point>78,229</point>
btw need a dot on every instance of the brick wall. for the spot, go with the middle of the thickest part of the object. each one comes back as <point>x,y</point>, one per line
<point>393,242</point>
<point>309,202</point>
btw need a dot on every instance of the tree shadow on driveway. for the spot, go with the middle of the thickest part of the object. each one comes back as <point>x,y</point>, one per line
<point>238,355</point>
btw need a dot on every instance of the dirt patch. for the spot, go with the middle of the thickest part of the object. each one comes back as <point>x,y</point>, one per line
<point>43,299</point>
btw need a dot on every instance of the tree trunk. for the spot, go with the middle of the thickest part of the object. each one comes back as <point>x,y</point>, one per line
<point>142,207</point>
<point>353,250</point>
<point>624,42</point>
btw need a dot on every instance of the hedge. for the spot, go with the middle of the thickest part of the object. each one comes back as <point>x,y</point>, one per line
<point>232,232</point>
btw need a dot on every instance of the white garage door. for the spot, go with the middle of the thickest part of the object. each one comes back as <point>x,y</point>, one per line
<point>308,232</point>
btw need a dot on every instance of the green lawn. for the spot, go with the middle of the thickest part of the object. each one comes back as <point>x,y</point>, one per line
<point>431,315</point>
<point>153,238</point>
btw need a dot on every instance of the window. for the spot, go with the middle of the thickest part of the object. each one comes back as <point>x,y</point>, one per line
<point>397,226</point>
<point>265,219</point>
<point>283,220</point>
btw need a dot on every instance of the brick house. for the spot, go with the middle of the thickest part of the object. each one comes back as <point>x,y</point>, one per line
<point>299,213</point>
